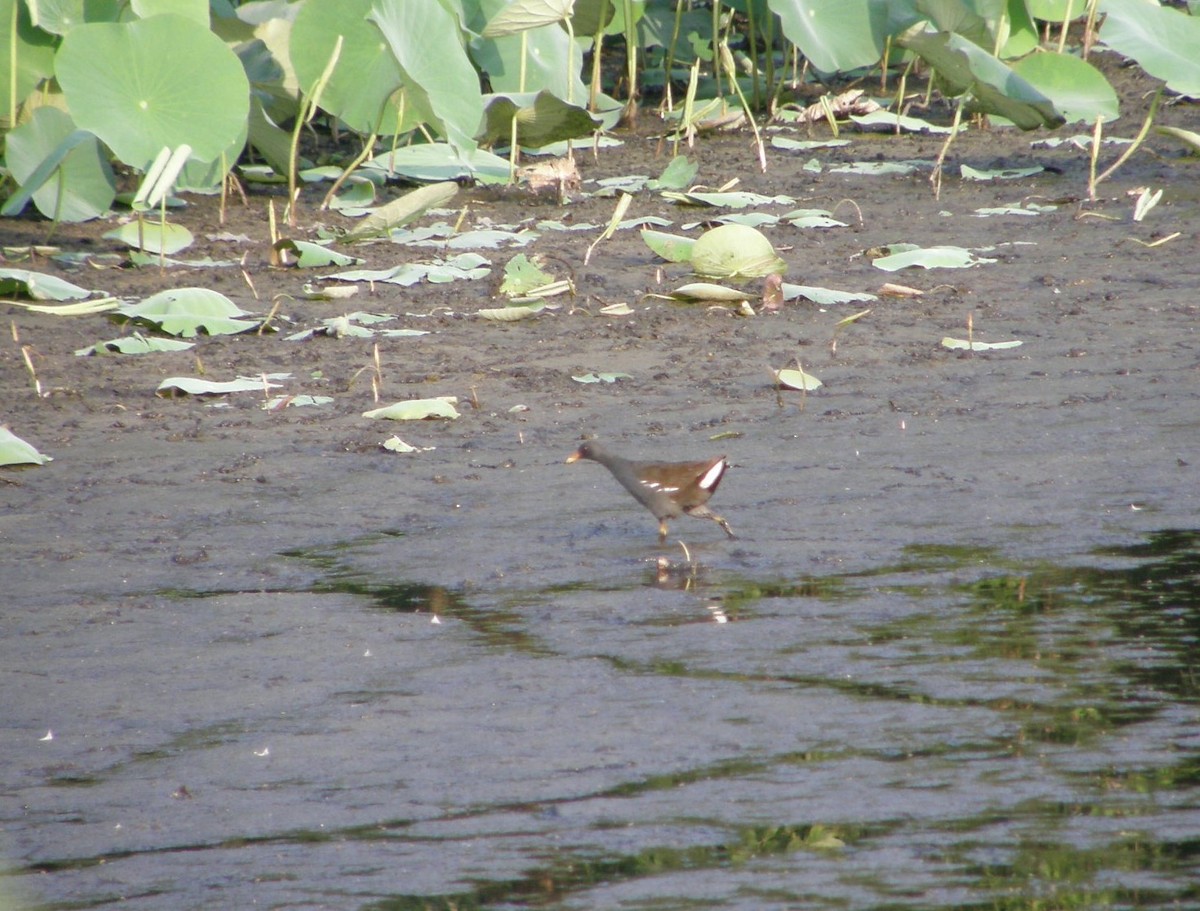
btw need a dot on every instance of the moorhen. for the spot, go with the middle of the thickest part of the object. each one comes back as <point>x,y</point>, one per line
<point>667,489</point>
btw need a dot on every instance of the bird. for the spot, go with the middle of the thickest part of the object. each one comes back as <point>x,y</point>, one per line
<point>667,489</point>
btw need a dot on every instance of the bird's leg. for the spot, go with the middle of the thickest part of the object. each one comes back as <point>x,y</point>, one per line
<point>662,531</point>
<point>723,524</point>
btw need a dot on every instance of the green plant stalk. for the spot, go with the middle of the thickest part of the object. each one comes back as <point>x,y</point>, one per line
<point>308,110</point>
<point>754,95</point>
<point>630,59</point>
<point>1133,146</point>
<point>728,64</point>
<point>769,48</point>
<point>1062,34</point>
<point>669,61</point>
<point>594,87</point>
<point>12,69</point>
<point>716,40</point>
<point>514,148</point>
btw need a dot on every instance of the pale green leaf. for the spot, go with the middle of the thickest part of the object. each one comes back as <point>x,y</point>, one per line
<point>735,252</point>
<point>188,311</point>
<point>416,410</point>
<point>671,247</point>
<point>601,377</point>
<point>194,386</point>
<point>39,286</point>
<point>134,344</point>
<point>797,379</point>
<point>152,236</point>
<point>15,451</point>
<point>944,257</point>
<point>957,344</point>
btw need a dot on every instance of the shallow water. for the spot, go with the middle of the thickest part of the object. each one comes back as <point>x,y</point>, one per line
<point>953,730</point>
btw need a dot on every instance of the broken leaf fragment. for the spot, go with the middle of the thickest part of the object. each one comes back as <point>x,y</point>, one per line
<point>671,247</point>
<point>735,252</point>
<point>395,444</point>
<point>38,286</point>
<point>417,410</point>
<point>15,451</point>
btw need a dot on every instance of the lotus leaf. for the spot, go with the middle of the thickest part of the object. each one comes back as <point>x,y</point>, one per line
<point>735,252</point>
<point>958,344</point>
<point>39,286</point>
<point>134,344</point>
<point>193,386</point>
<point>797,379</point>
<point>15,451</point>
<point>188,311</point>
<point>417,410</point>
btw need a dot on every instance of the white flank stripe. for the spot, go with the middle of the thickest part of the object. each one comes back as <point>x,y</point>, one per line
<point>710,477</point>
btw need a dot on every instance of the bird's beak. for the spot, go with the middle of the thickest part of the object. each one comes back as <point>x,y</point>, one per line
<point>573,457</point>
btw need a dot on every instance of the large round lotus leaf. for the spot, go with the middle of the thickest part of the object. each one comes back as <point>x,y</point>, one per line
<point>1078,89</point>
<point>735,251</point>
<point>366,74</point>
<point>81,188</point>
<point>150,83</point>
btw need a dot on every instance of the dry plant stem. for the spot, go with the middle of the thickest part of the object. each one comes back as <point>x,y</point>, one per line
<point>936,177</point>
<point>308,110</point>
<point>1133,146</point>
<point>37,384</point>
<point>350,168</point>
<point>1094,154</point>
<point>1089,28</point>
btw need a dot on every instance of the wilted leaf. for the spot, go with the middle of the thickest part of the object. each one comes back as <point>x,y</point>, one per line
<point>1146,201</point>
<point>417,410</point>
<point>512,313</point>
<point>152,236</point>
<point>970,173</point>
<point>737,200</point>
<point>279,402</point>
<point>15,451</point>
<point>314,256</point>
<point>395,444</point>
<point>958,344</point>
<point>705,291</point>
<point>401,211</point>
<point>797,379</point>
<point>134,344</point>
<point>824,296</point>
<point>188,311</point>
<point>601,377</point>
<point>522,275</point>
<point>193,386</point>
<point>671,247</point>
<point>886,121</point>
<point>38,286</point>
<point>945,257</point>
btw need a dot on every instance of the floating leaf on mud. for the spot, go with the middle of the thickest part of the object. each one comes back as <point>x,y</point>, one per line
<point>958,344</point>
<point>735,251</point>
<point>512,313</point>
<point>1023,209</point>
<point>619,309</point>
<point>602,377</point>
<point>38,286</point>
<point>806,145</point>
<point>279,402</point>
<point>15,451</point>
<point>332,293</point>
<point>886,121</point>
<point>882,168</point>
<point>152,236</point>
<point>522,275</point>
<point>970,173</point>
<point>705,291</point>
<point>141,258</point>
<point>313,256</point>
<point>671,247</point>
<point>1146,201</point>
<point>811,218</point>
<point>797,379</point>
<point>735,200</point>
<point>469,266</point>
<point>134,344</point>
<point>676,175</point>
<point>945,257</point>
<point>439,161</point>
<point>193,386</point>
<point>824,296</point>
<point>417,410</point>
<point>395,444</point>
<point>400,212</point>
<point>188,311</point>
